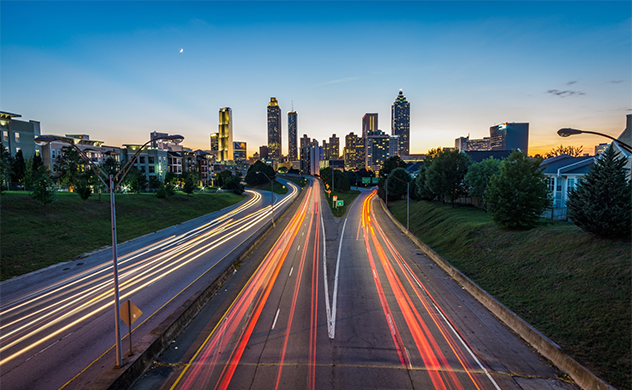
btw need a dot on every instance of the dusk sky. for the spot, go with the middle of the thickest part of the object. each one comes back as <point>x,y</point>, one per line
<point>120,70</point>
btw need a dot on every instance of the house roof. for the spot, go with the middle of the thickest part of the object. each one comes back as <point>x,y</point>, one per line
<point>565,165</point>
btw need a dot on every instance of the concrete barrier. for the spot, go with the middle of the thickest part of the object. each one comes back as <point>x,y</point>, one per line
<point>156,341</point>
<point>547,348</point>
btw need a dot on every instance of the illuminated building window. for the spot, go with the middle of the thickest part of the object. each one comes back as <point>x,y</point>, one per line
<point>17,137</point>
<point>5,136</point>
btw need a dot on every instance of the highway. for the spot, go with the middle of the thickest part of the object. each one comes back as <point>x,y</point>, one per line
<point>352,304</point>
<point>57,325</point>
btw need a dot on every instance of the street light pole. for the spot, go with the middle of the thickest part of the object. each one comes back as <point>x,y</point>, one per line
<point>386,197</point>
<point>567,132</point>
<point>271,195</point>
<point>44,140</point>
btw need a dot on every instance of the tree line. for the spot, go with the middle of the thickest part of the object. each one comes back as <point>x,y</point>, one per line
<point>515,191</point>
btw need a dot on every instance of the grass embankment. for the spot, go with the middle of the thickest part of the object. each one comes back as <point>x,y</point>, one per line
<point>347,198</point>
<point>574,287</point>
<point>299,181</point>
<point>34,236</point>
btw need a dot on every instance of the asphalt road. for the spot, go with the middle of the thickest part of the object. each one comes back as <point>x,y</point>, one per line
<point>57,325</point>
<point>344,304</point>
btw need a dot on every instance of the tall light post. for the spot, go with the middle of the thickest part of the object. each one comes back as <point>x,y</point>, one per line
<point>407,199</point>
<point>567,132</point>
<point>271,195</point>
<point>111,181</point>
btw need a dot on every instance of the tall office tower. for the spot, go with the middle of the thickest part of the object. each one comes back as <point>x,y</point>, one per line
<point>304,141</point>
<point>274,129</point>
<point>214,142</point>
<point>400,123</point>
<point>377,149</point>
<point>325,150</point>
<point>353,149</point>
<point>239,151</point>
<point>510,136</point>
<point>292,135</point>
<point>334,148</point>
<point>225,139</point>
<point>369,124</point>
<point>393,149</point>
<point>263,152</point>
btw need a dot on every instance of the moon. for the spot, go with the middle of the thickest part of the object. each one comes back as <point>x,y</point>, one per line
<point>181,50</point>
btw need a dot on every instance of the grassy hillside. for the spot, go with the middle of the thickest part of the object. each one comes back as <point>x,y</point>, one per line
<point>574,287</point>
<point>33,236</point>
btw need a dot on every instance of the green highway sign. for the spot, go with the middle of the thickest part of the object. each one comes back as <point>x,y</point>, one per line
<point>340,203</point>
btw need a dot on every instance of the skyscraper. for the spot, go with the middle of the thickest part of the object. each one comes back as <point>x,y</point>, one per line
<point>353,149</point>
<point>369,124</point>
<point>274,129</point>
<point>400,123</point>
<point>334,148</point>
<point>377,149</point>
<point>225,139</point>
<point>292,131</point>
<point>509,136</point>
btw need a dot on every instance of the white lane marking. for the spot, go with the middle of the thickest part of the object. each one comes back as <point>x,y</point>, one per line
<point>275,318</point>
<point>327,304</point>
<point>331,325</point>
<point>299,247</point>
<point>291,269</point>
<point>458,336</point>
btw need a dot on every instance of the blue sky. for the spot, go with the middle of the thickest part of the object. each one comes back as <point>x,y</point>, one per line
<point>114,70</point>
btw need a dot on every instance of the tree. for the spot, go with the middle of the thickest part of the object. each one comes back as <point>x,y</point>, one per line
<point>446,174</point>
<point>283,169</point>
<point>518,194</point>
<point>340,179</point>
<point>602,202</point>
<point>479,174</point>
<point>18,168</point>
<point>135,180</point>
<point>235,184</point>
<point>397,187</point>
<point>189,183</point>
<point>83,189</point>
<point>154,182</point>
<point>253,179</point>
<point>569,150</point>
<point>111,166</point>
<point>390,164</point>
<point>44,190</point>
<point>69,165</point>
<point>5,167</point>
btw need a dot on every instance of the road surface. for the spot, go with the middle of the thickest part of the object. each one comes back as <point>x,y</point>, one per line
<point>57,325</point>
<point>350,304</point>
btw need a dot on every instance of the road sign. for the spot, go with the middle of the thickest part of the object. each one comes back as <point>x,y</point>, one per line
<point>129,314</point>
<point>335,198</point>
<point>340,203</point>
<point>366,180</point>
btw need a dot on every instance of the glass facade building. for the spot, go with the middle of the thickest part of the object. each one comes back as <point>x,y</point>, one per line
<point>509,136</point>
<point>225,135</point>
<point>400,123</point>
<point>292,135</point>
<point>274,129</point>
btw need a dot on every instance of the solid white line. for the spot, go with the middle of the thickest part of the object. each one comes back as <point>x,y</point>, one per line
<point>275,318</point>
<point>332,322</point>
<point>299,247</point>
<point>327,304</point>
<point>291,269</point>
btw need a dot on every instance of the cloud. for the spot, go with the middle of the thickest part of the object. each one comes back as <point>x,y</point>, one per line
<point>339,81</point>
<point>557,92</point>
<point>615,81</point>
<point>571,82</point>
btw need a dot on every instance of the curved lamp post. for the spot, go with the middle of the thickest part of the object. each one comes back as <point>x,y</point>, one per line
<point>271,195</point>
<point>407,198</point>
<point>567,132</point>
<point>111,182</point>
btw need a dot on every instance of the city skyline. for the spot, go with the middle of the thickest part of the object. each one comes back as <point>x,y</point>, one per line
<point>119,71</point>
